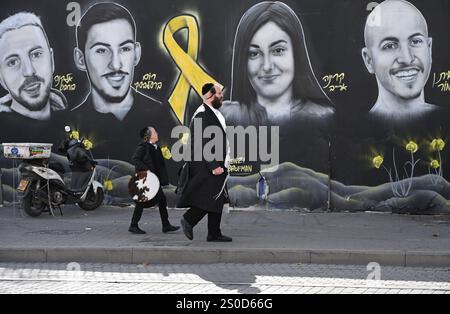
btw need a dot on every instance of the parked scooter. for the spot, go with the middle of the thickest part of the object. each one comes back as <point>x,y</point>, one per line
<point>42,185</point>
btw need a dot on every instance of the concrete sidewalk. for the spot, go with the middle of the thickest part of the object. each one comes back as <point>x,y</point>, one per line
<point>258,237</point>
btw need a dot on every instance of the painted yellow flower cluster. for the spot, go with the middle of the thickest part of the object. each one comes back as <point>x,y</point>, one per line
<point>436,145</point>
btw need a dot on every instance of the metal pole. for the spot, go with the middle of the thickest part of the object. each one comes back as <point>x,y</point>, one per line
<point>14,188</point>
<point>1,189</point>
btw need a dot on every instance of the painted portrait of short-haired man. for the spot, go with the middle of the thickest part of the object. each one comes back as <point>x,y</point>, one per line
<point>398,52</point>
<point>113,111</point>
<point>26,68</point>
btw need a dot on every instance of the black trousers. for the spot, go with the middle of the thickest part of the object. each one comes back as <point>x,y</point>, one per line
<point>159,199</point>
<point>194,215</point>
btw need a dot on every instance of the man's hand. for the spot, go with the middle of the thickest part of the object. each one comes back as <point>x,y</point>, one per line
<point>218,171</point>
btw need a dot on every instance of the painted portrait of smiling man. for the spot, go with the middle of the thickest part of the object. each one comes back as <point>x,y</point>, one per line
<point>398,51</point>
<point>108,52</point>
<point>26,68</point>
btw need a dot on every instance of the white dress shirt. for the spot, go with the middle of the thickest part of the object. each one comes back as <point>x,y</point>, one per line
<point>221,119</point>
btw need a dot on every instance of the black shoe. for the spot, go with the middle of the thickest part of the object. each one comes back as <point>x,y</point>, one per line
<point>136,230</point>
<point>220,238</point>
<point>169,228</point>
<point>187,229</point>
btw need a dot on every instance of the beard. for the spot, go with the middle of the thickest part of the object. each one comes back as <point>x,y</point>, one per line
<point>108,98</point>
<point>105,96</point>
<point>32,105</point>
<point>216,103</point>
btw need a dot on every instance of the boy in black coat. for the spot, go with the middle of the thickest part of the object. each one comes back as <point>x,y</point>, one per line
<point>148,156</point>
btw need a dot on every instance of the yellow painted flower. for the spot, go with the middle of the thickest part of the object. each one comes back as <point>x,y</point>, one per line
<point>88,144</point>
<point>108,185</point>
<point>74,135</point>
<point>377,161</point>
<point>412,147</point>
<point>434,164</point>
<point>437,144</point>
<point>166,152</point>
<point>185,138</point>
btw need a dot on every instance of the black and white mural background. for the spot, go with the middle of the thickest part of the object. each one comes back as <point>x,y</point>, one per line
<point>360,129</point>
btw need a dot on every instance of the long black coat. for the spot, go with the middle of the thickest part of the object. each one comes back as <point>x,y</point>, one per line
<point>147,157</point>
<point>203,186</point>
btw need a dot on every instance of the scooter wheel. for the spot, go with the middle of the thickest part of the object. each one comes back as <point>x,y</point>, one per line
<point>32,206</point>
<point>93,200</point>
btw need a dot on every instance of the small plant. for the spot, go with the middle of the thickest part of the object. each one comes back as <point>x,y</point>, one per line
<point>108,184</point>
<point>87,144</point>
<point>436,145</point>
<point>166,152</point>
<point>400,187</point>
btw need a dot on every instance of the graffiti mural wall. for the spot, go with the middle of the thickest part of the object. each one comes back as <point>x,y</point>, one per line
<point>337,105</point>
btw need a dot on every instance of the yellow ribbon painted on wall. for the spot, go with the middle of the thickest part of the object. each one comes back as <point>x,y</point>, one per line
<point>192,75</point>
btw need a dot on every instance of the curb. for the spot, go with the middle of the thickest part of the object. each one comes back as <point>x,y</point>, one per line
<point>182,255</point>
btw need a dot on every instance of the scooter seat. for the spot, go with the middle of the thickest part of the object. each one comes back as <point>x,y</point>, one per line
<point>58,167</point>
<point>80,181</point>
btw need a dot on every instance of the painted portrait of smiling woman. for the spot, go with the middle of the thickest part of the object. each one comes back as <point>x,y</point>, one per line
<point>272,78</point>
